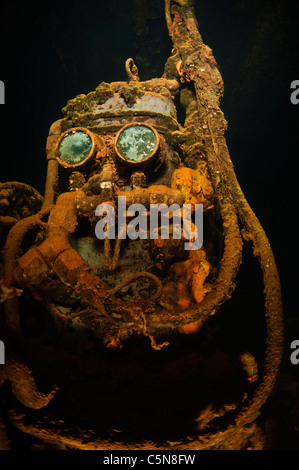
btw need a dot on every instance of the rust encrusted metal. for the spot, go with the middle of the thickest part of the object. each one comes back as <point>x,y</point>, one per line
<point>159,292</point>
<point>197,65</point>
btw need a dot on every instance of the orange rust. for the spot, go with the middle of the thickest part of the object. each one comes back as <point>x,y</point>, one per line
<point>69,265</point>
<point>52,247</point>
<point>115,342</point>
<point>195,185</point>
<point>31,269</point>
<point>189,285</point>
<point>190,276</point>
<point>191,328</point>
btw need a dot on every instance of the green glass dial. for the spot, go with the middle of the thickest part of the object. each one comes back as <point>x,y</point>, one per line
<point>75,147</point>
<point>136,143</point>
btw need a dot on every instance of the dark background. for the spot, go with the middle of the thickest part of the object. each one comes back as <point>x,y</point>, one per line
<point>52,51</point>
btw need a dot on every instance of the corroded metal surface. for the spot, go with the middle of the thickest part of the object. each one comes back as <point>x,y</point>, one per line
<point>131,332</point>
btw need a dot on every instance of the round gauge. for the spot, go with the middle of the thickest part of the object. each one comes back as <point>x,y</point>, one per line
<point>136,143</point>
<point>74,147</point>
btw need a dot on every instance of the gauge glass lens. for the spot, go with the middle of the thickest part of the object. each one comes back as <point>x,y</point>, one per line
<point>135,143</point>
<point>75,147</point>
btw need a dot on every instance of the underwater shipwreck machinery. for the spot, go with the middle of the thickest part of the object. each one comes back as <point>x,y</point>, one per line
<point>137,343</point>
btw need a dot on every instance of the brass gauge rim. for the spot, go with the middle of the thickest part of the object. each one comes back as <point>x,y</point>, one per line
<point>89,156</point>
<point>145,161</point>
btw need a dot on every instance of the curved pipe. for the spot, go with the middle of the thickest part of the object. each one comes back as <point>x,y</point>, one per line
<point>51,183</point>
<point>208,89</point>
<point>12,245</point>
<point>24,387</point>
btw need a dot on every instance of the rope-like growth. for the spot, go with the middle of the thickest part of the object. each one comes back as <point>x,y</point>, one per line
<point>198,66</point>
